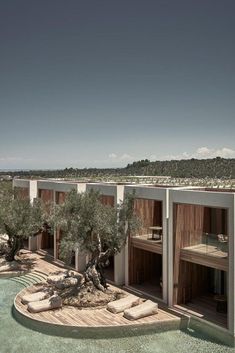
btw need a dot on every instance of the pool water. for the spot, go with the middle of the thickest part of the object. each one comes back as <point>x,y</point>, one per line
<point>15,338</point>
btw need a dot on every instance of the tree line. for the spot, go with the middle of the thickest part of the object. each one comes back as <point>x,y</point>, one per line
<point>188,168</point>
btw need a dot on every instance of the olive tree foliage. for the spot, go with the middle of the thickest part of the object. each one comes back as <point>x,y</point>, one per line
<point>95,229</point>
<point>19,219</point>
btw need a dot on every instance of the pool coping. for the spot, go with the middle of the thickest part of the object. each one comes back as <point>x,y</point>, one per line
<point>11,274</point>
<point>69,330</point>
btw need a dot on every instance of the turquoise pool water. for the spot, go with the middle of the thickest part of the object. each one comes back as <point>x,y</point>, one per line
<point>15,338</point>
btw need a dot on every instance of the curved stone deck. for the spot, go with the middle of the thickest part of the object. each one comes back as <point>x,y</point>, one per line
<point>71,317</point>
<point>67,320</point>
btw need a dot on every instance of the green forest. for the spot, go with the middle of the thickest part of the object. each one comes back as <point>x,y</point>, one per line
<point>190,168</point>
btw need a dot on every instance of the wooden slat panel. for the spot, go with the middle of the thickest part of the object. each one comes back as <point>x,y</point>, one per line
<point>107,200</point>
<point>193,281</point>
<point>60,197</point>
<point>150,213</point>
<point>189,225</point>
<point>45,195</point>
<point>148,245</point>
<point>188,230</point>
<point>203,259</point>
<point>45,240</point>
<point>145,265</point>
<point>178,212</point>
<point>21,193</point>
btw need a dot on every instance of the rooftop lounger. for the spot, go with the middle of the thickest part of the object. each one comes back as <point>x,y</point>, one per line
<point>145,309</point>
<point>120,305</point>
<point>34,297</point>
<point>53,302</point>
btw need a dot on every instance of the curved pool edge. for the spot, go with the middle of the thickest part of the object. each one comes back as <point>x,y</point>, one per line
<point>11,274</point>
<point>101,331</point>
<point>194,326</point>
<point>215,332</point>
<point>91,332</point>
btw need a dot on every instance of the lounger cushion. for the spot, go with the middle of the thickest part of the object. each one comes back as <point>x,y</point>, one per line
<point>47,304</point>
<point>120,305</point>
<point>34,297</point>
<point>145,309</point>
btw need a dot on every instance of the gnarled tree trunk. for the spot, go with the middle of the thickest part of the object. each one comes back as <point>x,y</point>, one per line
<point>95,268</point>
<point>14,245</point>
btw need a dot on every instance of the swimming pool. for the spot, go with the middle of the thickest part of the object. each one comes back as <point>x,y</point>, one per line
<point>15,338</point>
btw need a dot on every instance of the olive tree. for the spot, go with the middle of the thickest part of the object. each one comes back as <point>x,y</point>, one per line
<point>93,228</point>
<point>19,219</point>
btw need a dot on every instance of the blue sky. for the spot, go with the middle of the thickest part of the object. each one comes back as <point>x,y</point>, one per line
<point>104,83</point>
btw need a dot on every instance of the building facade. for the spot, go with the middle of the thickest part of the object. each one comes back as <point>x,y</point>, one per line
<point>183,254</point>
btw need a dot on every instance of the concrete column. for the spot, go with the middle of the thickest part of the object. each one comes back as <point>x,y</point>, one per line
<point>33,193</point>
<point>80,261</point>
<point>81,187</point>
<point>170,252</point>
<point>119,268</point>
<point>165,214</point>
<point>120,193</point>
<point>33,243</point>
<point>231,274</point>
<point>119,259</point>
<point>126,264</point>
<point>33,189</point>
<point>54,202</point>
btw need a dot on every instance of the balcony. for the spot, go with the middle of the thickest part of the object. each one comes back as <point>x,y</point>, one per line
<point>212,251</point>
<point>149,242</point>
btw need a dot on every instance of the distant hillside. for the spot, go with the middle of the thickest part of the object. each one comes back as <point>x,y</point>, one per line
<point>188,168</point>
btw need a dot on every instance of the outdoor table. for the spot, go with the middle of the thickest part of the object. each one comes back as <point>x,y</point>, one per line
<point>156,232</point>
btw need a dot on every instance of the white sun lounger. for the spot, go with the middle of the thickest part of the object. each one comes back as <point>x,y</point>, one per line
<point>47,304</point>
<point>34,297</point>
<point>145,309</point>
<point>120,305</point>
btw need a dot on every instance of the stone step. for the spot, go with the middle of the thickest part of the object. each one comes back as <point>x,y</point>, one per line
<point>30,278</point>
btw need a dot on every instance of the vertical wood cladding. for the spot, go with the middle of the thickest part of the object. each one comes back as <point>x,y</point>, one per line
<point>107,200</point>
<point>150,213</point>
<point>189,224</point>
<point>59,199</point>
<point>193,281</point>
<point>21,193</point>
<point>144,265</point>
<point>47,239</point>
<point>45,195</point>
<point>215,220</point>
